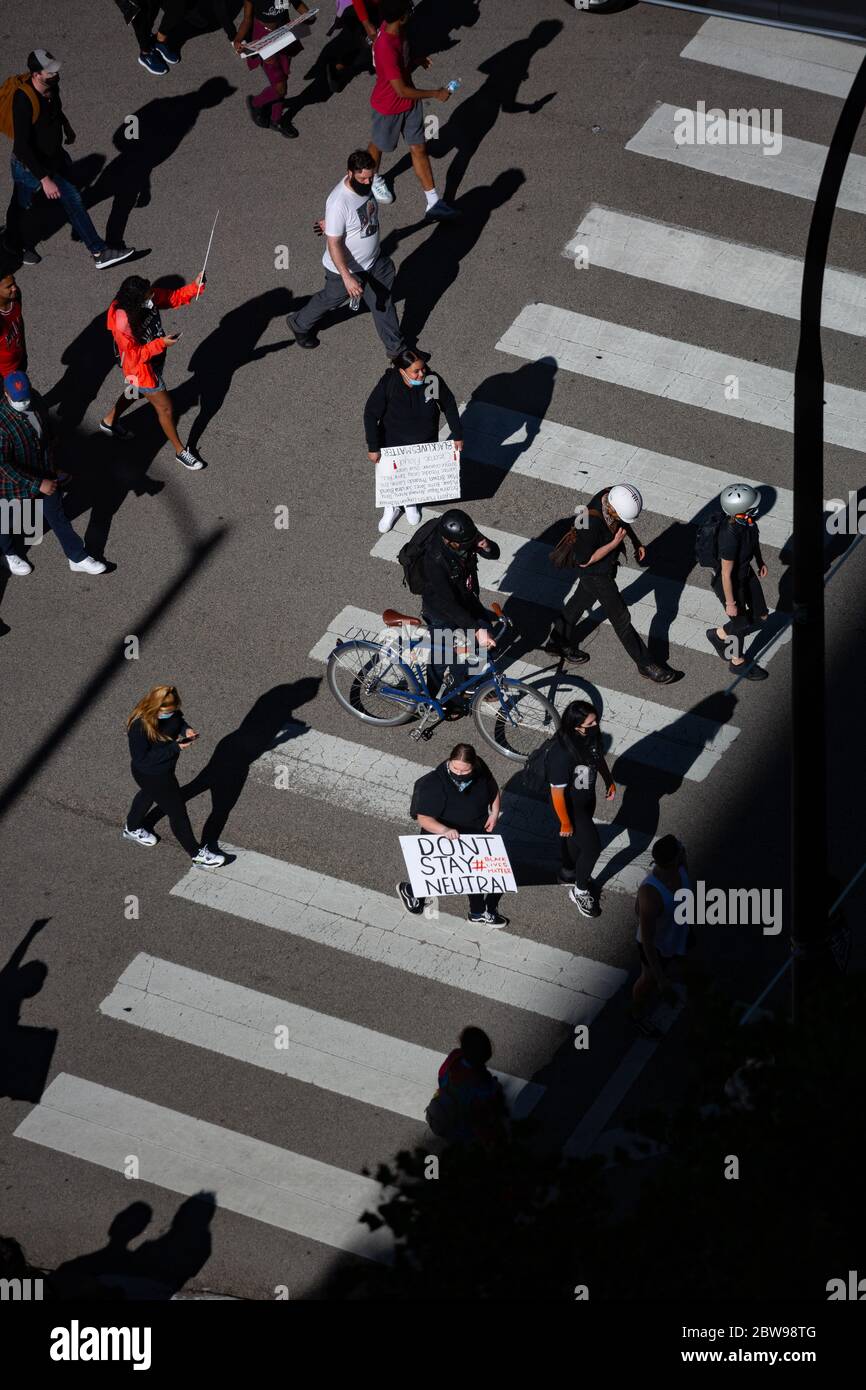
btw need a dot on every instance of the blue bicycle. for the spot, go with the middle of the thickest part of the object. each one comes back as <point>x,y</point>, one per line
<point>384,682</point>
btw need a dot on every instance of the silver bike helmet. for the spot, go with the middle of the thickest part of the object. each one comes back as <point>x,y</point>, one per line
<point>740,498</point>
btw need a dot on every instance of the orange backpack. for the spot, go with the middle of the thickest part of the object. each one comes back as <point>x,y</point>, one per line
<point>20,83</point>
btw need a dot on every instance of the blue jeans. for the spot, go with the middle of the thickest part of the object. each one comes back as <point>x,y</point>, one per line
<point>25,185</point>
<point>54,514</point>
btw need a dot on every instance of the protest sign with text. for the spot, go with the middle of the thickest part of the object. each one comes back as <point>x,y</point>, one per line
<point>410,473</point>
<point>439,867</point>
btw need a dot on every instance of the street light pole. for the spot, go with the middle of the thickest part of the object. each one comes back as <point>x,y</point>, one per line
<point>809,902</point>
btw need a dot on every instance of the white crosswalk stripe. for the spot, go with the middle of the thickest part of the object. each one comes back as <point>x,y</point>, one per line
<point>323,1051</point>
<point>796,169</point>
<point>677,488</point>
<point>186,1155</point>
<point>677,371</point>
<point>674,741</point>
<point>374,926</point>
<point>712,266</point>
<point>781,55</point>
<point>683,612</point>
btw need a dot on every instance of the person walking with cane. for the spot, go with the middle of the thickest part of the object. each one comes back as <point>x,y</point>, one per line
<point>140,342</point>
<point>157,731</point>
<point>405,407</point>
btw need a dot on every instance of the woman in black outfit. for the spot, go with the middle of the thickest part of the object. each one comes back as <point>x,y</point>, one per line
<point>157,731</point>
<point>459,797</point>
<point>405,407</point>
<point>573,764</point>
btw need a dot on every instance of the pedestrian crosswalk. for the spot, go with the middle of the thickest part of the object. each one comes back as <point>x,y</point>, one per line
<point>677,371</point>
<point>282,1037</point>
<point>781,55</point>
<point>795,169</point>
<point>288,1039</point>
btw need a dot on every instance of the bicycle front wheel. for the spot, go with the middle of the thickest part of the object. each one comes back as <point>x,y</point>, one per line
<point>515,720</point>
<point>372,684</point>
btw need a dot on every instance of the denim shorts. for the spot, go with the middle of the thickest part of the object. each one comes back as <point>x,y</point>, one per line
<point>149,390</point>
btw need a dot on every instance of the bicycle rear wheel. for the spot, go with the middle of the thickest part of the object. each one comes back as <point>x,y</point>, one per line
<point>358,675</point>
<point>515,722</point>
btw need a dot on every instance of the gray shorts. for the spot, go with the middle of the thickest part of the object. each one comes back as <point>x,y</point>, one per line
<point>388,129</point>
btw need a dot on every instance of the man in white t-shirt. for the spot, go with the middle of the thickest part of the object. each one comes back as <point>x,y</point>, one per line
<point>355,268</point>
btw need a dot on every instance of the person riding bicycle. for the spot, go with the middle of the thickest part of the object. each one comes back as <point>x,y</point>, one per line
<point>450,600</point>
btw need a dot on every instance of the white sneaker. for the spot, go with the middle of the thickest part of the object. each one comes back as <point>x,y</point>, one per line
<point>88,566</point>
<point>389,516</point>
<point>381,191</point>
<point>18,565</point>
<point>413,515</point>
<point>141,837</point>
<point>206,859</point>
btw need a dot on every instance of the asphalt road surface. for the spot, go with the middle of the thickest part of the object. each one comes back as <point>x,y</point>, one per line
<point>152,1019</point>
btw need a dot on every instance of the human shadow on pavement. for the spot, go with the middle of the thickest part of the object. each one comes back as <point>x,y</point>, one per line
<point>156,1270</point>
<point>426,276</point>
<point>25,1053</point>
<point>501,422</point>
<point>432,23</point>
<point>474,117</point>
<point>88,359</point>
<point>162,126</point>
<point>269,723</point>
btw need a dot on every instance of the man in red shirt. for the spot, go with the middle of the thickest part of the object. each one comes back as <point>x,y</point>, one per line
<point>13,347</point>
<point>398,110</point>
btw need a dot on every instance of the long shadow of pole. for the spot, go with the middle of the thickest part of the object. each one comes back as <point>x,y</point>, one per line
<point>199,555</point>
<point>809,753</point>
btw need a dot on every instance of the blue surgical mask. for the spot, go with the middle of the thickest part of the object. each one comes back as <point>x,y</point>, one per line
<point>170,715</point>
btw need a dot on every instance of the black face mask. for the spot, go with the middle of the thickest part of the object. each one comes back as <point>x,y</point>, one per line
<point>461,783</point>
<point>363,190</point>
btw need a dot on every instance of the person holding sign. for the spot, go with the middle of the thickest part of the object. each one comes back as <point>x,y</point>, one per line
<point>574,760</point>
<point>459,797</point>
<point>405,407</point>
<point>269,107</point>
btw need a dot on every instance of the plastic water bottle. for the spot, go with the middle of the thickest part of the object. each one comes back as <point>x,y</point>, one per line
<point>454,85</point>
<point>354,301</point>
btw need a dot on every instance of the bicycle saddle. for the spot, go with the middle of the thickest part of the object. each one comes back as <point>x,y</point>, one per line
<point>391,618</point>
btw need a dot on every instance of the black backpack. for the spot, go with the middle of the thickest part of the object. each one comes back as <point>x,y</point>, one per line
<point>534,775</point>
<point>707,540</point>
<point>411,556</point>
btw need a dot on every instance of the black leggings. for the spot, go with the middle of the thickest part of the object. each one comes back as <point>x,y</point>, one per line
<point>601,589</point>
<point>581,848</point>
<point>750,602</point>
<point>162,791</point>
<point>143,23</point>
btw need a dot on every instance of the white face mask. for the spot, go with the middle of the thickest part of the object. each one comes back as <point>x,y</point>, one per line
<point>148,304</point>
<point>20,406</point>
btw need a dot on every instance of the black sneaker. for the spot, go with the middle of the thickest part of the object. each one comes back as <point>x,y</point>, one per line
<point>718,643</point>
<point>660,675</point>
<point>285,127</point>
<point>30,256</point>
<point>488,919</point>
<point>584,902</point>
<point>111,255</point>
<point>748,670</point>
<point>258,115</point>
<point>304,340</point>
<point>411,904</point>
<point>566,652</point>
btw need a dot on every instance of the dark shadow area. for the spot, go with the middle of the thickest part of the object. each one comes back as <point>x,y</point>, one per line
<point>198,556</point>
<point>526,394</point>
<point>25,1053</point>
<point>163,124</point>
<point>475,115</point>
<point>268,724</point>
<point>155,1270</point>
<point>426,275</point>
<point>432,23</point>
<point>88,360</point>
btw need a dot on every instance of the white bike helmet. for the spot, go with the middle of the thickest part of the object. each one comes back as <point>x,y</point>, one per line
<point>626,501</point>
<point>740,498</point>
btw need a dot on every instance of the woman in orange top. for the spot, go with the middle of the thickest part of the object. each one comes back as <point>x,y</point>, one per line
<point>140,343</point>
